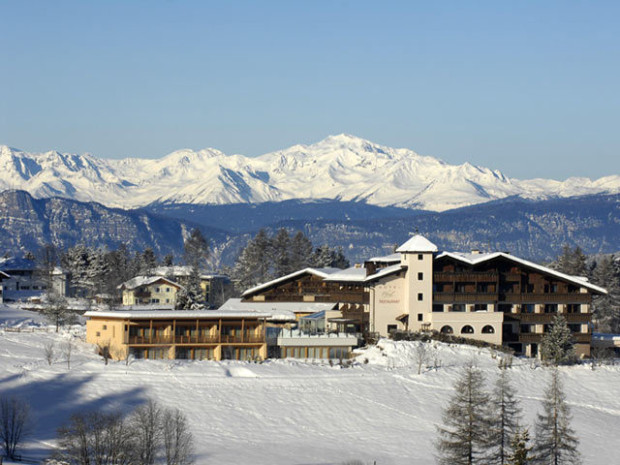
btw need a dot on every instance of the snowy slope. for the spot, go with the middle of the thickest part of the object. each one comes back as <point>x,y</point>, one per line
<point>287,412</point>
<point>339,167</point>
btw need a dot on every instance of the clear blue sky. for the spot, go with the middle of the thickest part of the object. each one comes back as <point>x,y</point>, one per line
<point>531,88</point>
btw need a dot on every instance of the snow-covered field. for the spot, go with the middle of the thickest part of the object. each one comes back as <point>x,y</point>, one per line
<point>290,412</point>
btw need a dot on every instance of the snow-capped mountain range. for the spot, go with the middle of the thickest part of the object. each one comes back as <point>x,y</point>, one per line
<point>340,167</point>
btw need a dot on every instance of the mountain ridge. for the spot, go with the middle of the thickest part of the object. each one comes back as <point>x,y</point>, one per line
<point>341,167</point>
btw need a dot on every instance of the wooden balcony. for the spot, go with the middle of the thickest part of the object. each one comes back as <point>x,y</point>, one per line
<point>243,339</point>
<point>150,340</point>
<point>549,298</point>
<point>465,297</point>
<point>207,339</point>
<point>470,277</point>
<point>547,318</point>
<point>529,338</point>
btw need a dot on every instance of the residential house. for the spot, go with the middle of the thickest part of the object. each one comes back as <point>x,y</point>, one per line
<point>143,290</point>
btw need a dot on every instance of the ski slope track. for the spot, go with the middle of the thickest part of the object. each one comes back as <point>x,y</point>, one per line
<point>341,167</point>
<point>288,412</point>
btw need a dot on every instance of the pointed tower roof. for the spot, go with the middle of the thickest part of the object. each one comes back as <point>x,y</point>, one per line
<point>417,243</point>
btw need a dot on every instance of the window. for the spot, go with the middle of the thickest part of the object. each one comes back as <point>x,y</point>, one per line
<point>105,327</point>
<point>551,308</point>
<point>420,317</point>
<point>420,296</point>
<point>467,330</point>
<point>438,287</point>
<point>156,289</point>
<point>458,307</point>
<point>483,288</point>
<point>528,308</point>
<point>505,308</point>
<point>420,276</point>
<point>488,329</point>
<point>460,287</point>
<point>391,328</point>
<point>481,307</point>
<point>98,334</point>
<point>167,289</point>
<point>420,256</point>
<point>437,307</point>
<point>447,329</point>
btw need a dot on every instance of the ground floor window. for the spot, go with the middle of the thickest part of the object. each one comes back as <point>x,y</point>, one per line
<point>315,352</point>
<point>156,353</point>
<point>240,353</point>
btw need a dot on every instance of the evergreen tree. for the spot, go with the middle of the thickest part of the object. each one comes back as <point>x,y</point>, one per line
<point>76,261</point>
<point>281,247</point>
<point>557,345</point>
<point>505,419</point>
<point>606,274</point>
<point>464,436</point>
<point>148,262</point>
<point>571,261</point>
<point>168,260</point>
<point>301,251</point>
<point>555,442</point>
<point>253,265</point>
<point>196,249</point>
<point>520,449</point>
<point>46,260</point>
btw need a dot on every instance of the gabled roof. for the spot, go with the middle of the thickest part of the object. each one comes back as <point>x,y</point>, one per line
<point>280,311</point>
<point>383,272</point>
<point>183,271</point>
<point>320,272</point>
<point>417,243</point>
<point>392,258</point>
<point>474,259</point>
<point>352,274</point>
<point>140,281</point>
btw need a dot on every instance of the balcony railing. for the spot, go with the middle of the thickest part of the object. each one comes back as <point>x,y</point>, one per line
<point>544,298</point>
<point>245,339</point>
<point>444,276</point>
<point>465,297</point>
<point>546,318</point>
<point>206,339</point>
<point>537,337</point>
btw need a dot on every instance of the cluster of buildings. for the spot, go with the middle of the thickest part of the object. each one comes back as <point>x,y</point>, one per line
<point>324,313</point>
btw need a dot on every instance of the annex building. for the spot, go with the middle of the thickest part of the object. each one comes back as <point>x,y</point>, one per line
<point>494,297</point>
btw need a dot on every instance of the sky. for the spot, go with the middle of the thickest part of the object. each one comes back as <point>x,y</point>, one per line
<point>527,87</point>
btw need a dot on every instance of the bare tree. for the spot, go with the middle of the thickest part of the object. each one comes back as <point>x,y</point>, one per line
<point>67,349</point>
<point>422,353</point>
<point>57,310</point>
<point>96,438</point>
<point>177,438</point>
<point>14,423</point>
<point>146,423</point>
<point>49,352</point>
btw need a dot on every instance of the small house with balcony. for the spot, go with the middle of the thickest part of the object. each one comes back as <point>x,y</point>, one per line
<point>144,290</point>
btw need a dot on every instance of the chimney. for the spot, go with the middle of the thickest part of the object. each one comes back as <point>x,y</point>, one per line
<point>475,251</point>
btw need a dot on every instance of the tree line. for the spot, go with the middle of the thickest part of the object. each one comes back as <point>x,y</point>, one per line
<point>604,271</point>
<point>270,256</point>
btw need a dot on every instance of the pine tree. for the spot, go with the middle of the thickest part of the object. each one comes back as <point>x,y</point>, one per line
<point>607,307</point>
<point>196,249</point>
<point>571,261</point>
<point>253,265</point>
<point>148,262</point>
<point>301,251</point>
<point>557,345</point>
<point>520,449</point>
<point>464,438</point>
<point>555,442</point>
<point>505,423</point>
<point>281,247</point>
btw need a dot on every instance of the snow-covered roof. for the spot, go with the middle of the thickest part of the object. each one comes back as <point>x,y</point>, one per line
<point>174,314</point>
<point>354,273</point>
<point>184,271</point>
<point>140,281</point>
<point>321,272</point>
<point>395,257</point>
<point>388,270</point>
<point>417,243</point>
<point>17,263</point>
<point>294,307</point>
<point>475,258</point>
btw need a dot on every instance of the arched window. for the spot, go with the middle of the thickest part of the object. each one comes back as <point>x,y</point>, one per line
<point>467,330</point>
<point>447,330</point>
<point>488,329</point>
